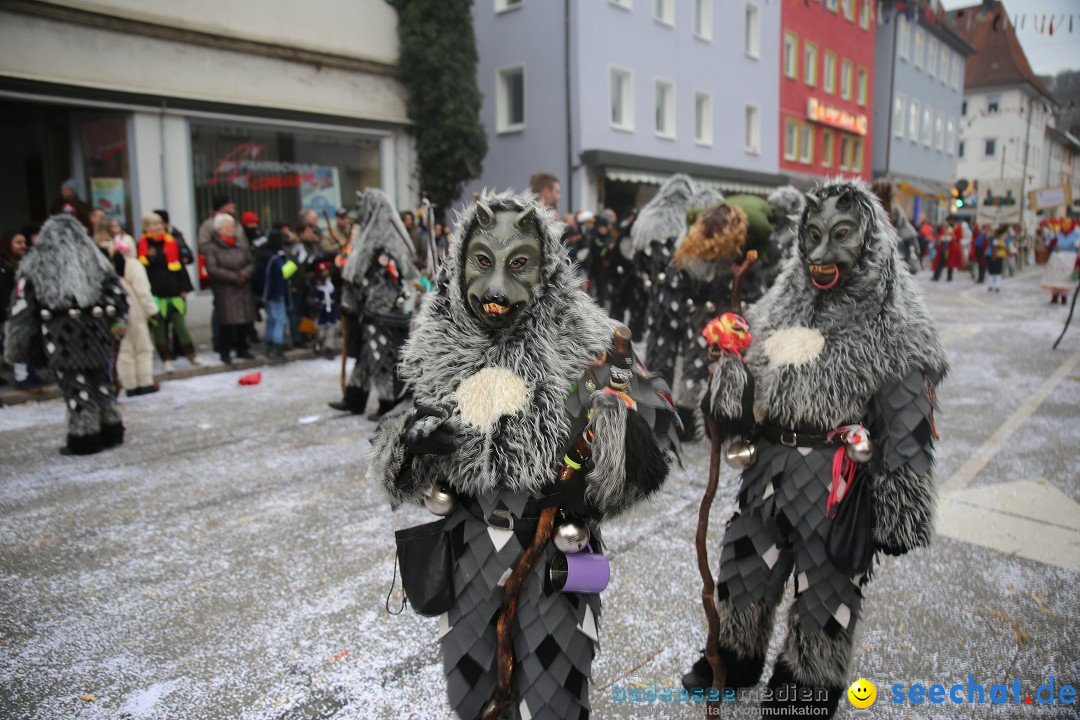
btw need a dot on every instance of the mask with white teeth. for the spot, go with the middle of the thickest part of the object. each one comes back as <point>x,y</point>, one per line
<point>830,238</point>
<point>501,265</point>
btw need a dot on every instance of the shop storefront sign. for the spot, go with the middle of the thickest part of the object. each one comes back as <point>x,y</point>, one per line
<point>242,168</point>
<point>836,117</point>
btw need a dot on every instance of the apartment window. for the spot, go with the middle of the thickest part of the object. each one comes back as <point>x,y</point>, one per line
<point>993,104</point>
<point>927,126</point>
<point>625,4</point>
<point>826,148</point>
<point>510,99</point>
<point>502,6</point>
<point>931,57</point>
<point>806,144</point>
<point>957,71</point>
<point>848,6</point>
<point>903,37</point>
<point>791,54</point>
<point>920,41</point>
<point>845,79</point>
<point>664,93</point>
<point>703,19</point>
<point>950,136</point>
<point>960,149</point>
<point>963,108</point>
<point>753,30</point>
<point>791,139</point>
<point>990,147</point>
<point>864,15</point>
<point>703,122</point>
<point>664,11</point>
<point>810,63</point>
<point>831,4</point>
<point>856,158</point>
<point>829,71</point>
<point>753,129</point>
<point>913,121</point>
<point>939,132</point>
<point>863,87</point>
<point>943,70</point>
<point>621,96</point>
<point>845,152</point>
<point>898,115</point>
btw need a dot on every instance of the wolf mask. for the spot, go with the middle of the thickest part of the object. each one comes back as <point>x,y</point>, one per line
<point>502,262</point>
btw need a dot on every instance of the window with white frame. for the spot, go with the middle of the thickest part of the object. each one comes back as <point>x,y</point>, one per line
<point>510,99</point>
<point>957,70</point>
<point>862,88</point>
<point>753,129</point>
<point>625,4</point>
<point>848,7</point>
<point>931,57</point>
<point>856,156</point>
<point>950,136</point>
<point>898,115</point>
<point>621,98</point>
<point>939,132</point>
<point>920,41</point>
<point>810,63</point>
<point>990,147</point>
<point>903,37</point>
<point>829,71</point>
<point>845,79</point>
<point>864,15</point>
<point>502,6</point>
<point>791,140</point>
<point>913,121</point>
<point>703,118</point>
<point>927,126</point>
<point>960,149</point>
<point>752,31</point>
<point>806,144</point>
<point>791,54</point>
<point>703,19</point>
<point>943,71</point>
<point>827,148</point>
<point>845,152</point>
<point>664,94</point>
<point>831,4</point>
<point>993,104</point>
<point>664,11</point>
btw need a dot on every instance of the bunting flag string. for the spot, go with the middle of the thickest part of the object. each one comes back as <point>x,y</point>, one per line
<point>931,14</point>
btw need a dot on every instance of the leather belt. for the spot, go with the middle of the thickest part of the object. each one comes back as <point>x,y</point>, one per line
<point>796,438</point>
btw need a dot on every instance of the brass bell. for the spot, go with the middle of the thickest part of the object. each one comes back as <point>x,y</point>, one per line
<point>739,454</point>
<point>440,499</point>
<point>571,535</point>
<point>862,450</point>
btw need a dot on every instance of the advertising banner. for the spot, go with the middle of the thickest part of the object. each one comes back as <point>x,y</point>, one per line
<point>999,202</point>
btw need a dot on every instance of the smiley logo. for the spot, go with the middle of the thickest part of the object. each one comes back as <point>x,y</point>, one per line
<point>862,693</point>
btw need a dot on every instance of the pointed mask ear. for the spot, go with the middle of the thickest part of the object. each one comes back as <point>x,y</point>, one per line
<point>812,202</point>
<point>525,218</point>
<point>846,200</point>
<point>484,216</point>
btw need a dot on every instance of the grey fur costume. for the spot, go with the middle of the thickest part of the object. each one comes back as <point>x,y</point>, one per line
<point>378,303</point>
<point>867,351</point>
<point>515,394</point>
<point>67,299</point>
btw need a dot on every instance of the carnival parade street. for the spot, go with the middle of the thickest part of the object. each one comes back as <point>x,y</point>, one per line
<point>235,562</point>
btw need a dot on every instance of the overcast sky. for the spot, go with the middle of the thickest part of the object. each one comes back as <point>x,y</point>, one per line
<point>1048,54</point>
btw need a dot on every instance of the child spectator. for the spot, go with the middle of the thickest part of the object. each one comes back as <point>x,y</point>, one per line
<point>135,363</point>
<point>999,254</point>
<point>273,270</point>
<point>323,304</point>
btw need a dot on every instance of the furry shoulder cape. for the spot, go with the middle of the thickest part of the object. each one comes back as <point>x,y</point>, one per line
<point>538,359</point>
<point>381,230</point>
<point>65,266</point>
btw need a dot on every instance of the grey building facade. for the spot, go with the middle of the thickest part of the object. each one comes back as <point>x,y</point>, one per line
<point>613,96</point>
<point>918,109</point>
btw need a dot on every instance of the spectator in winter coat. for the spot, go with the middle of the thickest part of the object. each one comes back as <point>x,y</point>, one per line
<point>231,267</point>
<point>135,363</point>
<point>274,270</point>
<point>161,255</point>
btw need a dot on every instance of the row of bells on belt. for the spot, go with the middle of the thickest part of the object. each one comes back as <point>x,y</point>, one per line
<point>740,454</point>
<point>96,311</point>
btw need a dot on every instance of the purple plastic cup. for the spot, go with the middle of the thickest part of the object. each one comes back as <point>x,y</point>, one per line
<point>584,572</point>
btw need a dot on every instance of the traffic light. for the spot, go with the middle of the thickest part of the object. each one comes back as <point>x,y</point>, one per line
<point>958,193</point>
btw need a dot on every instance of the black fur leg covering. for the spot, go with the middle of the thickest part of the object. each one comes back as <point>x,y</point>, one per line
<point>83,444</point>
<point>355,400</point>
<point>693,423</point>
<point>744,640</point>
<point>785,693</point>
<point>112,434</point>
<point>628,466</point>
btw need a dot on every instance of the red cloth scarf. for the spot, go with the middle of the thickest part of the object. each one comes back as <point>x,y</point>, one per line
<point>171,247</point>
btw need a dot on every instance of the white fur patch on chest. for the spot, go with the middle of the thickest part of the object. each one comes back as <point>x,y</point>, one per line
<point>793,346</point>
<point>489,395</point>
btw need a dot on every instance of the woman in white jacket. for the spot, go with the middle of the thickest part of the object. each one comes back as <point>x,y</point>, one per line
<point>135,364</point>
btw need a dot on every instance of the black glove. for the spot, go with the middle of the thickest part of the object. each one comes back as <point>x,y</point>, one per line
<point>428,434</point>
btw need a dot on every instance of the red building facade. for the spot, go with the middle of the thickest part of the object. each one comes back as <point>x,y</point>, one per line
<point>826,88</point>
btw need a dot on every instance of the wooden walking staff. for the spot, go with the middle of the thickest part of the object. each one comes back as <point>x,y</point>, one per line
<point>708,585</point>
<point>504,641</point>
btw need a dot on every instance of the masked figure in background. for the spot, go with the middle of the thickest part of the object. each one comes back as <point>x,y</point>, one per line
<point>68,302</point>
<point>830,411</point>
<point>629,300</point>
<point>511,362</point>
<point>377,297</point>
<point>786,204</point>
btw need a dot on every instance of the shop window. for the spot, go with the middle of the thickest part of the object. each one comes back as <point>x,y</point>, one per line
<point>106,166</point>
<point>277,173</point>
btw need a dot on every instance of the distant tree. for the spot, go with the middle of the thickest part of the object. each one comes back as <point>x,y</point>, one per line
<point>437,56</point>
<point>1065,87</point>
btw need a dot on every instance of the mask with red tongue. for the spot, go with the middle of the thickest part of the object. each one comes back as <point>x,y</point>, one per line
<point>830,238</point>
